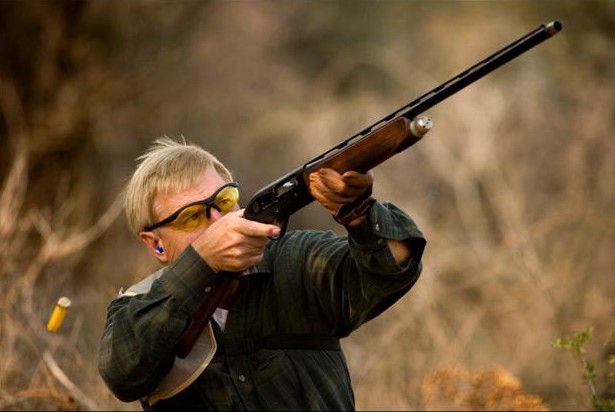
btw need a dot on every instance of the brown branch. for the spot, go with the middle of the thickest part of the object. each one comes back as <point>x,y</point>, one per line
<point>61,377</point>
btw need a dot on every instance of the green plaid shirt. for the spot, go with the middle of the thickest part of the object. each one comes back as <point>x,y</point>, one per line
<point>309,282</point>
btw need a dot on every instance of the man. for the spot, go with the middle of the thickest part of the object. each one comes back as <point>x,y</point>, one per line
<point>274,344</point>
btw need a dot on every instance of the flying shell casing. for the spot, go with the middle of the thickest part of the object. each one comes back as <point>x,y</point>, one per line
<point>59,313</point>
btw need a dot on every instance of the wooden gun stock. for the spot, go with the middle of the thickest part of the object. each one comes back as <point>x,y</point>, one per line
<point>205,311</point>
<point>366,152</point>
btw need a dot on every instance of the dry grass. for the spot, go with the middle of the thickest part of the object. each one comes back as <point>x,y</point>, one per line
<point>493,389</point>
<point>31,377</point>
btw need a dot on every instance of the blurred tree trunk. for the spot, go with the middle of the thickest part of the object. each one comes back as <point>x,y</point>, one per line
<point>48,62</point>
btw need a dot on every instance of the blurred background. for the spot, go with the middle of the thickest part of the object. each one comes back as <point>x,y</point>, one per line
<point>513,187</point>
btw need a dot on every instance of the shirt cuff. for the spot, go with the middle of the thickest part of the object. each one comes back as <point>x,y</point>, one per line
<point>387,222</point>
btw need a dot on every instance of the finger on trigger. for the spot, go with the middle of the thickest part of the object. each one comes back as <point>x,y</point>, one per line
<point>257,229</point>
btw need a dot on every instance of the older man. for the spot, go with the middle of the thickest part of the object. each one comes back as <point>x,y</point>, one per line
<point>274,342</point>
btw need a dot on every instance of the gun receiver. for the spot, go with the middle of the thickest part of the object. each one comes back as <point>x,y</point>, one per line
<point>277,201</point>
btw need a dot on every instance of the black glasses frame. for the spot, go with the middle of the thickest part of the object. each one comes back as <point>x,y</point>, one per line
<point>209,202</point>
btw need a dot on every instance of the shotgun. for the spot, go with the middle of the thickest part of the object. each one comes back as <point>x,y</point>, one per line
<point>277,201</point>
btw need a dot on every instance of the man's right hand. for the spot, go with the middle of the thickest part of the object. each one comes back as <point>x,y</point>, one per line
<point>234,244</point>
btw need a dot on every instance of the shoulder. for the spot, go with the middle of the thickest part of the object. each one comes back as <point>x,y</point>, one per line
<point>144,285</point>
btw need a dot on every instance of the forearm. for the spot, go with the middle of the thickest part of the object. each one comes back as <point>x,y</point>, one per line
<point>352,280</point>
<point>387,249</point>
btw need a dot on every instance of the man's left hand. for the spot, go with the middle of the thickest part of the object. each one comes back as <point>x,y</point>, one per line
<point>334,190</point>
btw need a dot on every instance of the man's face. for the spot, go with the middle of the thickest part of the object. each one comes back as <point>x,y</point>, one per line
<point>173,242</point>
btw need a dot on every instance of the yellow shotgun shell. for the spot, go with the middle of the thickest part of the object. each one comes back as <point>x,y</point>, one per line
<point>58,314</point>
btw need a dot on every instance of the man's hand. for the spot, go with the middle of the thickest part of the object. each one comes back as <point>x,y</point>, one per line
<point>234,244</point>
<point>342,193</point>
<point>350,190</point>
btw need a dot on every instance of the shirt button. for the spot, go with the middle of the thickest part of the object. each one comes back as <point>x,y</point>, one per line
<point>377,227</point>
<point>241,378</point>
<point>207,289</point>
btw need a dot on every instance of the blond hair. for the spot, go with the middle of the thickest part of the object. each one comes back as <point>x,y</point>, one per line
<point>167,166</point>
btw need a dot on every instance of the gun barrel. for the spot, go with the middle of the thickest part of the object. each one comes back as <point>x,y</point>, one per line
<point>553,27</point>
<point>480,69</point>
<point>464,79</point>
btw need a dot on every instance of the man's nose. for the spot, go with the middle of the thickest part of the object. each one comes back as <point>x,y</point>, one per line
<point>214,214</point>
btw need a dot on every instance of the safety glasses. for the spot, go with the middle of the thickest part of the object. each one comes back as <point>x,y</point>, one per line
<point>197,214</point>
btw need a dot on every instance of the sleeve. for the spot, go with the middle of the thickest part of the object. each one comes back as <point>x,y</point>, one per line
<point>137,345</point>
<point>352,280</point>
<point>386,222</point>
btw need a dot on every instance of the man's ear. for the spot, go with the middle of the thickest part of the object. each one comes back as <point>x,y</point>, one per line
<point>154,244</point>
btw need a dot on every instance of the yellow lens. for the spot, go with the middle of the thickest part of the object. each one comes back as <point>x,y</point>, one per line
<point>227,199</point>
<point>195,216</point>
<point>190,218</point>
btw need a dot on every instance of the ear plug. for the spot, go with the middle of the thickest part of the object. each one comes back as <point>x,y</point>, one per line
<point>159,249</point>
